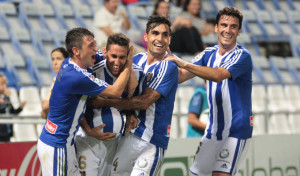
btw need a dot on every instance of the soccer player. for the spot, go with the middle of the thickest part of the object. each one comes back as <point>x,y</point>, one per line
<point>74,83</point>
<point>95,156</point>
<point>142,151</point>
<point>228,69</point>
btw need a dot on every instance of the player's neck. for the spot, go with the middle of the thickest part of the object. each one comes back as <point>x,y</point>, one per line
<point>78,62</point>
<point>153,58</point>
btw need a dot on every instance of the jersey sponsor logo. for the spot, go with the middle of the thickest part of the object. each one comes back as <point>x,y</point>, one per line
<point>251,120</point>
<point>51,127</point>
<point>224,153</point>
<point>149,76</point>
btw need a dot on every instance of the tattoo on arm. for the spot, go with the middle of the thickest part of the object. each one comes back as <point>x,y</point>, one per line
<point>145,100</point>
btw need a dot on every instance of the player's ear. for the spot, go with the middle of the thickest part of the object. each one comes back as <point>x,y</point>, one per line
<point>75,51</point>
<point>145,36</point>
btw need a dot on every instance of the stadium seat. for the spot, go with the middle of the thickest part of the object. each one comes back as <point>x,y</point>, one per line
<point>292,93</point>
<point>278,124</point>
<point>183,126</point>
<point>271,27</point>
<point>67,16</point>
<point>7,46</point>
<point>294,122</point>
<point>259,99</point>
<point>174,127</point>
<point>14,97</point>
<point>10,16</point>
<point>44,92</point>
<point>30,14</point>
<point>24,132</point>
<point>138,14</point>
<point>185,94</point>
<point>294,65</point>
<point>279,66</point>
<point>259,124</point>
<point>285,5</point>
<point>43,71</point>
<point>22,72</point>
<point>251,24</point>
<point>277,101</point>
<point>262,66</point>
<point>84,13</point>
<point>31,95</point>
<point>282,19</point>
<point>51,19</point>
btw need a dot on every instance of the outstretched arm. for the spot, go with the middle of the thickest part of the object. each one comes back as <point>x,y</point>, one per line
<point>189,69</point>
<point>138,102</point>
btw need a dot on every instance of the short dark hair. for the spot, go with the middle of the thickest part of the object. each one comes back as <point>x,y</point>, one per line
<point>230,11</point>
<point>74,38</point>
<point>185,6</point>
<point>156,20</point>
<point>61,50</point>
<point>118,39</point>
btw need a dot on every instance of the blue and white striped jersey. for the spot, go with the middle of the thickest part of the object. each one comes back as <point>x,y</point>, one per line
<point>108,115</point>
<point>155,122</point>
<point>72,87</point>
<point>229,100</point>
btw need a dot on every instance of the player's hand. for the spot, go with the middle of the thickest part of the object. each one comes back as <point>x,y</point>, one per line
<point>98,134</point>
<point>97,102</point>
<point>131,122</point>
<point>180,63</point>
<point>130,56</point>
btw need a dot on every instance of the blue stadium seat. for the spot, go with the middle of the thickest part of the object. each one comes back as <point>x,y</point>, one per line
<point>51,19</point>
<point>43,72</point>
<point>44,41</point>
<point>252,24</point>
<point>294,18</point>
<point>279,66</point>
<point>85,14</point>
<point>138,14</point>
<point>293,64</point>
<point>5,71</point>
<point>282,19</point>
<point>285,5</point>
<point>67,16</point>
<point>245,40</point>
<point>7,45</point>
<point>263,69</point>
<point>30,14</point>
<point>21,70</point>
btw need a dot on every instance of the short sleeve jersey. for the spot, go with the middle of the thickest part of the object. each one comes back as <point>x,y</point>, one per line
<point>72,87</point>
<point>155,122</point>
<point>229,100</point>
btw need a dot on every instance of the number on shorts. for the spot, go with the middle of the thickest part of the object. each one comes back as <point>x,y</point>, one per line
<point>82,162</point>
<point>115,164</point>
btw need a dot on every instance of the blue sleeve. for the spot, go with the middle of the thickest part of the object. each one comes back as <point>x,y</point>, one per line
<point>165,77</point>
<point>196,103</point>
<point>89,85</point>
<point>238,64</point>
<point>99,56</point>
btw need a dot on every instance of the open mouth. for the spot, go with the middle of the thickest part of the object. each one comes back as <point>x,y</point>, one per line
<point>158,45</point>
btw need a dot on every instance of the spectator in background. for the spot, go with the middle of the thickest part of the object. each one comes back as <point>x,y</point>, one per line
<point>109,20</point>
<point>191,10</point>
<point>185,37</point>
<point>6,107</point>
<point>198,113</point>
<point>58,55</point>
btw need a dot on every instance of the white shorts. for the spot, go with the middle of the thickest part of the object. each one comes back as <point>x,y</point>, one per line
<point>136,157</point>
<point>219,156</point>
<point>95,156</point>
<point>57,161</point>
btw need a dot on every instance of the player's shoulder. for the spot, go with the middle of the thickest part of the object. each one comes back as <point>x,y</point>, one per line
<point>100,65</point>
<point>137,68</point>
<point>242,50</point>
<point>138,57</point>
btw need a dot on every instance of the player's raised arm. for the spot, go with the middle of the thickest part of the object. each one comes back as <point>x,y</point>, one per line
<point>116,90</point>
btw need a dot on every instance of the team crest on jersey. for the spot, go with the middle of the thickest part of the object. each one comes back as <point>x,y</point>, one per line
<point>224,153</point>
<point>149,76</point>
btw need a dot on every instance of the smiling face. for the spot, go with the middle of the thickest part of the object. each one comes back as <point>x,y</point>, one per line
<point>158,40</point>
<point>87,52</point>
<point>56,60</point>
<point>116,57</point>
<point>228,31</point>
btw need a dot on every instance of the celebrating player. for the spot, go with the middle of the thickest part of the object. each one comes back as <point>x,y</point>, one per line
<point>95,156</point>
<point>228,69</point>
<point>73,85</point>
<point>141,152</point>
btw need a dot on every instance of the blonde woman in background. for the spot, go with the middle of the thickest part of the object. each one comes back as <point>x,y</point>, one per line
<point>58,55</point>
